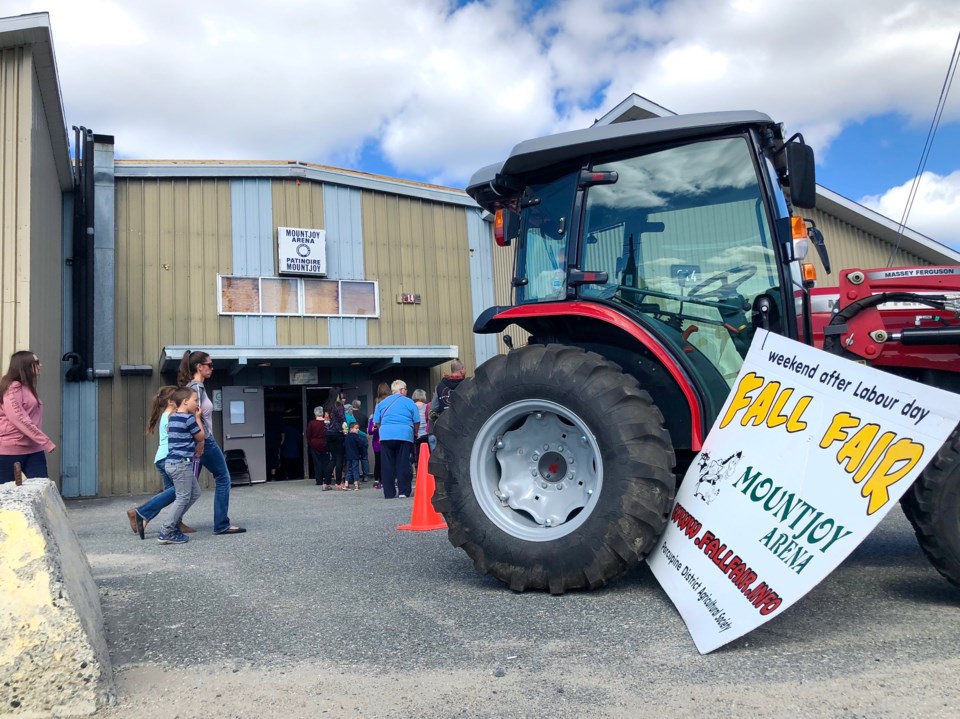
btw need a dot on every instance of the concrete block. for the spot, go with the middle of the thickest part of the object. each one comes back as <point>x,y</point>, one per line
<point>54,660</point>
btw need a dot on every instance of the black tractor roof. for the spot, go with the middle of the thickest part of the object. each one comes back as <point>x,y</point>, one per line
<point>495,182</point>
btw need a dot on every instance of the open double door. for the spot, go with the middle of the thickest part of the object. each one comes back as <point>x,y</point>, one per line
<point>247,411</point>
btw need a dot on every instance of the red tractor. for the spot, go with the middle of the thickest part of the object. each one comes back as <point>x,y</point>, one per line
<point>906,321</point>
<point>647,253</point>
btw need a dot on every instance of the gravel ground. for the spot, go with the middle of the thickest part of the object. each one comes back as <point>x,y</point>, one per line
<point>324,608</point>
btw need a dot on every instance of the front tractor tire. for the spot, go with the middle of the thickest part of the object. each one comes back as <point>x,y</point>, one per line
<point>932,505</point>
<point>554,470</point>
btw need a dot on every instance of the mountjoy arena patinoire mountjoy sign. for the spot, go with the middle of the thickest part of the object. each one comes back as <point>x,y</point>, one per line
<point>302,251</point>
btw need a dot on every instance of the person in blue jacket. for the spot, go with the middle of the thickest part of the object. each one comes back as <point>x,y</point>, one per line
<point>398,421</point>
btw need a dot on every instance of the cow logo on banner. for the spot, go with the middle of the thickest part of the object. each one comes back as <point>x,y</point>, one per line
<point>713,472</point>
<point>808,454</point>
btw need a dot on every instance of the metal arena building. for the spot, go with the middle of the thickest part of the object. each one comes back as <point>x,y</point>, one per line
<point>299,280</point>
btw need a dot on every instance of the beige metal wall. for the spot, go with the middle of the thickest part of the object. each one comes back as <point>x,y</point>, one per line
<point>849,246</point>
<point>416,246</point>
<point>172,238</point>
<point>503,266</point>
<point>16,110</point>
<point>299,204</point>
<point>45,270</point>
<point>31,234</point>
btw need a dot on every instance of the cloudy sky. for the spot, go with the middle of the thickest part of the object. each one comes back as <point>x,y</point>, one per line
<point>433,89</point>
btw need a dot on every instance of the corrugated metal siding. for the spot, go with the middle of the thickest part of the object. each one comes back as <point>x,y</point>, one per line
<point>16,106</point>
<point>503,259</point>
<point>251,216</point>
<point>480,236</point>
<point>173,237</point>
<point>300,204</point>
<point>343,218</point>
<point>44,278</point>
<point>849,246</point>
<point>416,246</point>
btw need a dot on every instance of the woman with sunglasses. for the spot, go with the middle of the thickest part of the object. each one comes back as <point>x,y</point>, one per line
<point>195,368</point>
<point>21,417</point>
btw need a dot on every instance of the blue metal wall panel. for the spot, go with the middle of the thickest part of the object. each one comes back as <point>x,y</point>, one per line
<point>480,241</point>
<point>251,209</point>
<point>78,441</point>
<point>343,221</point>
<point>79,423</point>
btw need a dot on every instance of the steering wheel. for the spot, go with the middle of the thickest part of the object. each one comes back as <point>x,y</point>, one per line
<point>728,287</point>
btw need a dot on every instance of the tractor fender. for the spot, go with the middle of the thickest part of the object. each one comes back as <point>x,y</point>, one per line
<point>496,319</point>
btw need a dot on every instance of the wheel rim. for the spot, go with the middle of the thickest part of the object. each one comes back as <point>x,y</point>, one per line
<point>536,471</point>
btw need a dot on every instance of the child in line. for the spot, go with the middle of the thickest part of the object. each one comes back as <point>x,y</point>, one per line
<point>353,450</point>
<point>160,411</point>
<point>184,442</point>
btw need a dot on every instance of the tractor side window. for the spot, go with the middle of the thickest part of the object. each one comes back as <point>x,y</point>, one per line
<point>544,228</point>
<point>684,239</point>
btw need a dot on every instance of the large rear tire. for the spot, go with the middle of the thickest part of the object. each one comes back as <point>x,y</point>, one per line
<point>932,505</point>
<point>553,468</point>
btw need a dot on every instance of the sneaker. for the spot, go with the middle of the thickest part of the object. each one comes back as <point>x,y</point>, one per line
<point>378,485</point>
<point>175,537</point>
<point>402,496</point>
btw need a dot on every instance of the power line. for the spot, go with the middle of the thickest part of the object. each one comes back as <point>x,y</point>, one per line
<point>931,133</point>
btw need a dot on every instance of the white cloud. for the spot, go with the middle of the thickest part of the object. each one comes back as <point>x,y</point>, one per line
<point>936,206</point>
<point>441,87</point>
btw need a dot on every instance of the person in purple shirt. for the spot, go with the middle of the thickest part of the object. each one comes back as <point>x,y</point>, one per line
<point>398,420</point>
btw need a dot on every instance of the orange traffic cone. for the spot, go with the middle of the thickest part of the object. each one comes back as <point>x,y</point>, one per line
<point>425,517</point>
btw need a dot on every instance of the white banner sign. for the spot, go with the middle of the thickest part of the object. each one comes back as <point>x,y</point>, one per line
<point>301,251</point>
<point>808,454</point>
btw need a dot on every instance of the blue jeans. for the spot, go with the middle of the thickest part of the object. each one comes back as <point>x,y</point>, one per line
<point>353,471</point>
<point>151,508</point>
<point>213,461</point>
<point>32,465</point>
<point>365,458</point>
<point>187,492</point>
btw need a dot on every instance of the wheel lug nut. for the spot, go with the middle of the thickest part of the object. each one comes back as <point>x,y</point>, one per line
<point>533,472</point>
<point>559,486</point>
<point>559,447</point>
<point>543,485</point>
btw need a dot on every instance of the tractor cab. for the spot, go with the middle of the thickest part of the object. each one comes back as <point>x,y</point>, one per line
<point>675,223</point>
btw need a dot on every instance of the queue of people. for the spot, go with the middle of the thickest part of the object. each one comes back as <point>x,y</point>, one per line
<point>340,436</point>
<point>339,440</point>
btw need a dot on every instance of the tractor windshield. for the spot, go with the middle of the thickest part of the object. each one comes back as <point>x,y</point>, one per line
<point>685,240</point>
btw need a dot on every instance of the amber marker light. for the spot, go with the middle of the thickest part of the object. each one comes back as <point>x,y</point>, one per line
<point>498,231</point>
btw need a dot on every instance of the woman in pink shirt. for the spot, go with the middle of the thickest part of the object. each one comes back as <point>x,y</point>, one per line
<point>21,418</point>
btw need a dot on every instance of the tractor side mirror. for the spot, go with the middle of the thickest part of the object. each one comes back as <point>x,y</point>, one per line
<point>802,176</point>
